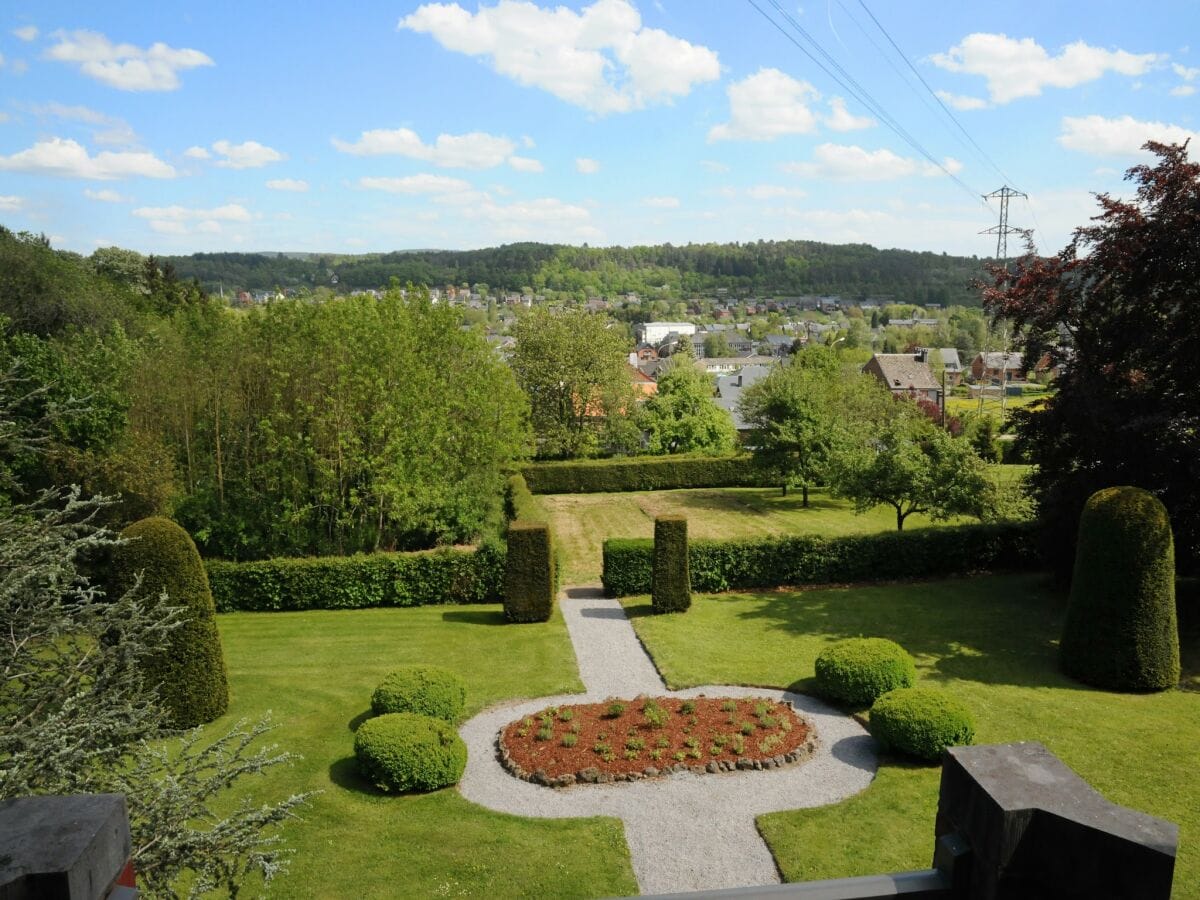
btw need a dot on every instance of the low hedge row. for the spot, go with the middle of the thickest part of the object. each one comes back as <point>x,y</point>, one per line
<point>807,559</point>
<point>640,473</point>
<point>356,582</point>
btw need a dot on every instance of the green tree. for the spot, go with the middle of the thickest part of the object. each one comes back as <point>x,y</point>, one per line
<point>682,417</point>
<point>574,370</point>
<point>716,345</point>
<point>800,413</point>
<point>912,466</point>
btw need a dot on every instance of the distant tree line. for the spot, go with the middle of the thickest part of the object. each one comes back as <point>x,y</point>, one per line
<point>853,271</point>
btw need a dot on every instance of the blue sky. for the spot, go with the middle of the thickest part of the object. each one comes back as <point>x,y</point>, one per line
<point>367,126</point>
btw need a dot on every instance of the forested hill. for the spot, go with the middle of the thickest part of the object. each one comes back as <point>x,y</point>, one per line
<point>854,271</point>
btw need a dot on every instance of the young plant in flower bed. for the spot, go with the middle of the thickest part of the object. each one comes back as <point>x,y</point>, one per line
<point>622,740</point>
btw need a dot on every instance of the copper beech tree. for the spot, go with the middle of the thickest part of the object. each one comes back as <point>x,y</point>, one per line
<point>1118,309</point>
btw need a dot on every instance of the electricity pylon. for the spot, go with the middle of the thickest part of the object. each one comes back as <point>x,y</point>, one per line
<point>1003,230</point>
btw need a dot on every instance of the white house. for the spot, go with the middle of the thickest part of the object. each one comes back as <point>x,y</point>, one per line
<point>656,332</point>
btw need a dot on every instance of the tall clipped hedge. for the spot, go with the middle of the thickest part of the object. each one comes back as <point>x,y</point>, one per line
<point>808,559</point>
<point>529,574</point>
<point>360,581</point>
<point>190,670</point>
<point>518,500</point>
<point>641,473</point>
<point>1121,632</point>
<point>670,588</point>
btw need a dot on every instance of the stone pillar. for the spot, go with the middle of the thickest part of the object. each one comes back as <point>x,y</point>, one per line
<point>65,848</point>
<point>1037,830</point>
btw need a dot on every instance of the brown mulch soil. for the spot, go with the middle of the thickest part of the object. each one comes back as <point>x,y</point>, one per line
<point>632,742</point>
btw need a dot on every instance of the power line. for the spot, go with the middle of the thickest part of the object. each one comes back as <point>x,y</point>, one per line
<point>932,92</point>
<point>857,91</point>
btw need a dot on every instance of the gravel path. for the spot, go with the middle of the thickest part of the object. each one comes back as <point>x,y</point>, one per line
<point>685,832</point>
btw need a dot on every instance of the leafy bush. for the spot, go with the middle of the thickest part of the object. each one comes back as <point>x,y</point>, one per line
<point>861,670</point>
<point>190,671</point>
<point>653,473</point>
<point>360,581</point>
<point>1121,631</point>
<point>808,559</point>
<point>426,690</point>
<point>409,752</point>
<point>921,722</point>
<point>529,575</point>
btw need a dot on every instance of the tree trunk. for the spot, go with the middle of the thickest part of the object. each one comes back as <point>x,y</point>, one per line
<point>785,489</point>
<point>899,519</point>
<point>804,489</point>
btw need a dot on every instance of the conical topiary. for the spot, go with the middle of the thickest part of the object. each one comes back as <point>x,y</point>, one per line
<point>1121,633</point>
<point>190,670</point>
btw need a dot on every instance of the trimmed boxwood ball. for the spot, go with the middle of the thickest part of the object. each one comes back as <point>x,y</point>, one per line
<point>426,690</point>
<point>859,670</point>
<point>1121,632</point>
<point>409,752</point>
<point>190,670</point>
<point>921,722</point>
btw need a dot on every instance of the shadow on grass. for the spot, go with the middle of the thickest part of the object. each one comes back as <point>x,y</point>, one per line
<point>359,719</point>
<point>474,616</point>
<point>991,630</point>
<point>344,773</point>
<point>639,610</point>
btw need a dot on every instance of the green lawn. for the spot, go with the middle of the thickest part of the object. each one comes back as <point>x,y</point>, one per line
<point>992,642</point>
<point>316,671</point>
<point>582,522</point>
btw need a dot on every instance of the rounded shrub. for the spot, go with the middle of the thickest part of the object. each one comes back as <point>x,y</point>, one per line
<point>921,722</point>
<point>409,752</point>
<point>189,671</point>
<point>859,670</point>
<point>426,690</point>
<point>1120,632</point>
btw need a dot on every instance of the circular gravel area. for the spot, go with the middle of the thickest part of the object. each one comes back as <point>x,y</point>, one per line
<point>686,832</point>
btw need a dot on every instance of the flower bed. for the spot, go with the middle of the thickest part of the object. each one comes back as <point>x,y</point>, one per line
<point>628,740</point>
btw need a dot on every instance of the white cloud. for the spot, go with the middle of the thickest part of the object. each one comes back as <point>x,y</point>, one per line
<point>1183,90</point>
<point>841,119</point>
<point>1022,68</point>
<point>68,159</point>
<point>10,203</point>
<point>189,220</point>
<point>774,192</point>
<point>842,162</point>
<point>525,164</point>
<point>545,218</point>
<point>661,202</point>
<point>197,153</point>
<point>586,166</point>
<point>105,196</point>
<point>961,102</point>
<point>765,106</point>
<point>1188,74</point>
<point>26,33</point>
<point>247,155</point>
<point>109,130</point>
<point>295,185</point>
<point>1120,136</point>
<point>416,184</point>
<point>527,142</point>
<point>711,165</point>
<point>600,58</point>
<point>476,150</point>
<point>125,66</point>
<point>4,117</point>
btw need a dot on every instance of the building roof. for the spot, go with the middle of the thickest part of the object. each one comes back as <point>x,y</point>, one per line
<point>730,387</point>
<point>1010,360</point>
<point>904,371</point>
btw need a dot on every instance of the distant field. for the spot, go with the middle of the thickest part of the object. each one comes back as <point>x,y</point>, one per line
<point>961,406</point>
<point>582,522</point>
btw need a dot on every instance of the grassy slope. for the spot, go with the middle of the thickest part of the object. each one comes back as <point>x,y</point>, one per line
<point>583,521</point>
<point>316,671</point>
<point>992,641</point>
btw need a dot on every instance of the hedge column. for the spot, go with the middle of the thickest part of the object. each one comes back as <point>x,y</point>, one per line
<point>529,573</point>
<point>1121,633</point>
<point>671,586</point>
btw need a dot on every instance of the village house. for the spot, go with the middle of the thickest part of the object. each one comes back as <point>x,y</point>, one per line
<point>904,374</point>
<point>1006,366</point>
